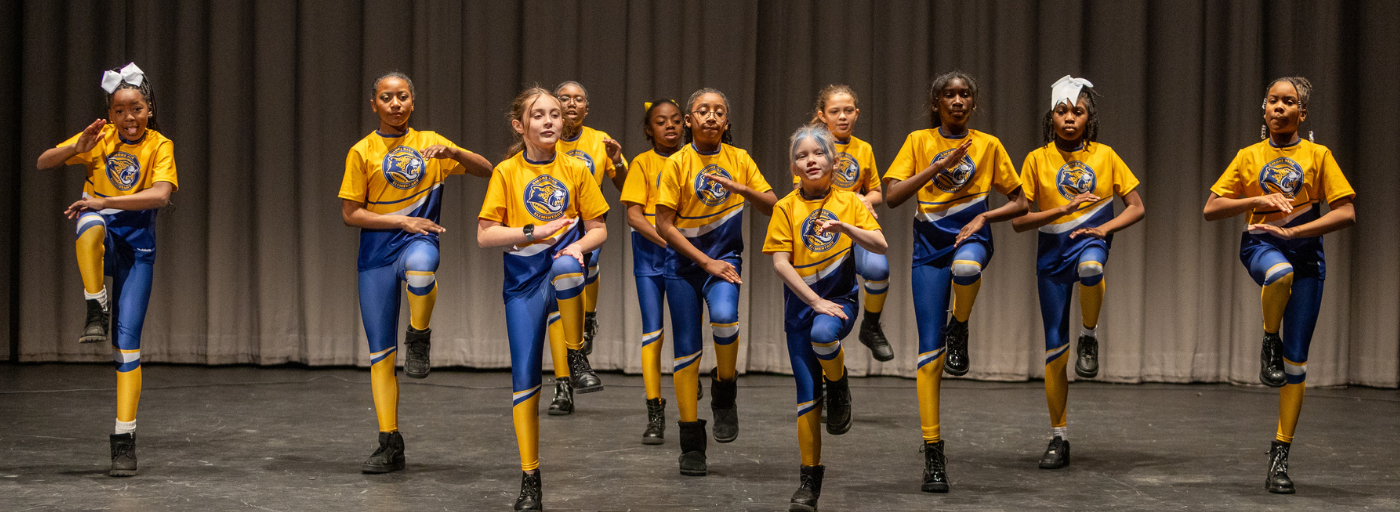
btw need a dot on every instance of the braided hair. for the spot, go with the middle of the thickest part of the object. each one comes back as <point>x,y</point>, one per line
<point>148,93</point>
<point>728,137</point>
<point>936,88</point>
<point>1091,128</point>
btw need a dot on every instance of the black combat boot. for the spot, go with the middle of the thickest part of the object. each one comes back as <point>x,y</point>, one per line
<point>873,337</point>
<point>416,363</point>
<point>810,488</point>
<point>389,456</point>
<point>956,339</point>
<point>693,448</point>
<point>563,404</point>
<point>656,422</point>
<point>124,455</point>
<point>935,468</point>
<point>1278,481</point>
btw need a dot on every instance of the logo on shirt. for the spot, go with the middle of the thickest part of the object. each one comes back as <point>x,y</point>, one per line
<point>1281,176</point>
<point>846,171</point>
<point>403,167</point>
<point>546,198</point>
<point>123,170</point>
<point>1074,178</point>
<point>818,242</point>
<point>953,180</point>
<point>579,154</point>
<point>709,191</point>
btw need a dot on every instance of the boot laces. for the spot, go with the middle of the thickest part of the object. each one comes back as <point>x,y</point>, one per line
<point>1278,460</point>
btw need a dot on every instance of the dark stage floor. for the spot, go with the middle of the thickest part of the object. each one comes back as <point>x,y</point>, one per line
<point>292,439</point>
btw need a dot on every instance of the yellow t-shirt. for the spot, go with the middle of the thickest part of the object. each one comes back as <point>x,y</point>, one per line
<point>1304,172</point>
<point>116,167</point>
<point>954,196</point>
<point>523,192</point>
<point>707,214</point>
<point>825,261</point>
<point>588,148</point>
<point>1051,178</point>
<point>390,176</point>
<point>644,182</point>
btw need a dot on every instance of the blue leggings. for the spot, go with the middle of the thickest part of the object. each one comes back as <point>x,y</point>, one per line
<point>807,348</point>
<point>874,268</point>
<point>721,296</point>
<point>931,292</point>
<point>1300,315</point>
<point>1056,292</point>
<point>380,297</point>
<point>651,293</point>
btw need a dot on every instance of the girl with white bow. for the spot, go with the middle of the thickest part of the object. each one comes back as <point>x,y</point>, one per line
<point>130,175</point>
<point>1070,183</point>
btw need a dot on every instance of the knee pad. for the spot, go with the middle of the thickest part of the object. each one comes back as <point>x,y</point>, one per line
<point>90,220</point>
<point>566,273</point>
<point>1277,272</point>
<point>1090,273</point>
<point>420,283</point>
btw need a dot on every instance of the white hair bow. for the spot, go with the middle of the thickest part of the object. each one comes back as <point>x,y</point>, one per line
<point>129,74</point>
<point>1067,89</point>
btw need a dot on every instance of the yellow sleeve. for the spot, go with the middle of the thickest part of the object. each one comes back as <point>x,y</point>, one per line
<point>591,204</point>
<point>1231,185</point>
<point>1029,181</point>
<point>450,166</point>
<point>669,193</point>
<point>861,217</point>
<point>872,176</point>
<point>754,176</point>
<point>1334,184</point>
<point>1004,176</point>
<point>165,164</point>
<point>607,160</point>
<point>87,158</point>
<point>494,207</point>
<point>903,166</point>
<point>779,237</point>
<point>634,188</point>
<point>353,186</point>
<point>1123,179</point>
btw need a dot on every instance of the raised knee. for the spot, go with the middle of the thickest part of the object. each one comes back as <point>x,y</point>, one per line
<point>1279,272</point>
<point>92,225</point>
<point>1090,273</point>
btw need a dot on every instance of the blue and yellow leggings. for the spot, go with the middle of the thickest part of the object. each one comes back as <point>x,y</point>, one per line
<point>1055,294</point>
<point>560,300</point>
<point>379,310</point>
<point>651,293</point>
<point>814,351</point>
<point>932,284</point>
<point>684,296</point>
<point>123,244</point>
<point>1292,299</point>
<point>875,269</point>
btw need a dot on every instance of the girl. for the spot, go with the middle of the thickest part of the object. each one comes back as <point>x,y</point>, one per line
<point>662,124</point>
<point>700,215</point>
<point>533,208</point>
<point>856,171</point>
<point>130,175</point>
<point>1279,184</point>
<point>603,157</point>
<point>952,239</point>
<point>392,191</point>
<point>818,264</point>
<point>1071,181</point>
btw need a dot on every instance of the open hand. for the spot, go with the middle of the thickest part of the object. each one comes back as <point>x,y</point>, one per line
<point>723,270</point>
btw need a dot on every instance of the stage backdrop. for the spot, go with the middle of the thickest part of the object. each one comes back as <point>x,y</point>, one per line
<point>264,98</point>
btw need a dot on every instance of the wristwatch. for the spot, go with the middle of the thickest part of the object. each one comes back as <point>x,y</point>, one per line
<point>529,232</point>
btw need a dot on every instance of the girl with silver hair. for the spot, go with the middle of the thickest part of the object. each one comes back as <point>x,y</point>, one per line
<point>812,238</point>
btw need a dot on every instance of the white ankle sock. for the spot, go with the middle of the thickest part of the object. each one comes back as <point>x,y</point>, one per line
<point>100,297</point>
<point>1090,332</point>
<point>1060,432</point>
<point>126,427</point>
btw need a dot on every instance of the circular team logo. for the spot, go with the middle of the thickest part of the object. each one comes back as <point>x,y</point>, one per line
<point>709,191</point>
<point>579,154</point>
<point>123,170</point>
<point>403,167</point>
<point>818,242</point>
<point>1281,176</point>
<point>546,198</point>
<point>846,172</point>
<point>953,180</point>
<point>1074,178</point>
